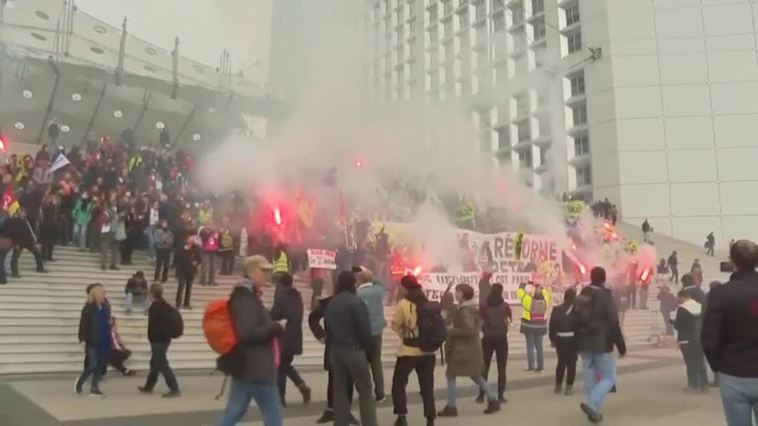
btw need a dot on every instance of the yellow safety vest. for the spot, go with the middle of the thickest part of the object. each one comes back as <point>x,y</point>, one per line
<point>526,302</point>
<point>281,264</point>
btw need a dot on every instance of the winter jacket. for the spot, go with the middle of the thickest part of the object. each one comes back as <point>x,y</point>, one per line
<point>318,331</point>
<point>20,231</point>
<point>563,322</point>
<point>89,327</point>
<point>164,239</point>
<point>159,322</point>
<point>136,286</point>
<point>687,322</point>
<point>82,212</point>
<point>288,306</point>
<point>373,295</point>
<point>186,261</point>
<point>225,240</point>
<point>598,329</point>
<point>730,326</point>
<point>463,349</point>
<point>495,321</point>
<point>252,360</point>
<point>695,293</point>
<point>347,323</point>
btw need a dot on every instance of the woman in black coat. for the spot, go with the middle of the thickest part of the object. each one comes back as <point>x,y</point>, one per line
<point>288,306</point>
<point>48,229</point>
<point>186,259</point>
<point>562,329</point>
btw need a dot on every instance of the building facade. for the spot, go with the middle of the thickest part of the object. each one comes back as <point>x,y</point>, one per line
<point>652,104</point>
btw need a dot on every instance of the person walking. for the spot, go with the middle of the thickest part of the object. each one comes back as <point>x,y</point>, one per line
<point>730,335</point>
<point>562,332</point>
<point>410,358</point>
<point>153,222</point>
<point>82,215</point>
<point>288,307</point>
<point>372,294</point>
<point>163,240</point>
<point>187,259</point>
<point>209,244</point>
<point>163,324</point>
<point>597,332</point>
<point>49,225</point>
<point>496,319</point>
<point>118,353</point>
<point>314,322</point>
<point>349,330</point>
<point>697,273</point>
<point>252,363</point>
<point>673,262</point>
<point>688,325</point>
<point>463,351</point>
<point>535,304</point>
<point>23,237</point>
<point>95,334</point>
<point>710,244</point>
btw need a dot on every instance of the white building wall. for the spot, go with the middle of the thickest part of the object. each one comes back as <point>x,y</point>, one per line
<point>685,92</point>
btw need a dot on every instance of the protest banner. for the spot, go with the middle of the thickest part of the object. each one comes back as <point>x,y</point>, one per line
<point>435,284</point>
<point>322,259</point>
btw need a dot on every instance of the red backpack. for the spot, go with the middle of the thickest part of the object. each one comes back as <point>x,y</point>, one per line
<point>218,327</point>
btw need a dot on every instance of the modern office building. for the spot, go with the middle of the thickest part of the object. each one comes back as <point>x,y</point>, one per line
<point>650,103</point>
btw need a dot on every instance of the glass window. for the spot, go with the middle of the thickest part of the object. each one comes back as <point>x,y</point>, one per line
<point>584,176</point>
<point>538,6</point>
<point>498,21</point>
<point>524,131</point>
<point>525,159</point>
<point>517,12</point>
<point>577,85</point>
<point>522,104</point>
<point>574,41</point>
<point>582,144</point>
<point>572,15</point>
<point>539,29</point>
<point>503,137</point>
<point>579,113</point>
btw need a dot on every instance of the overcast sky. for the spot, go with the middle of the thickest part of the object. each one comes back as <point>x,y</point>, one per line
<point>205,27</point>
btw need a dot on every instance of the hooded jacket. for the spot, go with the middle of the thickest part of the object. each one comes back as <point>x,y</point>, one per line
<point>288,306</point>
<point>598,329</point>
<point>687,322</point>
<point>373,295</point>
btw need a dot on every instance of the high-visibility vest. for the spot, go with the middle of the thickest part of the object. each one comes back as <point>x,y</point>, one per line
<point>466,212</point>
<point>281,264</point>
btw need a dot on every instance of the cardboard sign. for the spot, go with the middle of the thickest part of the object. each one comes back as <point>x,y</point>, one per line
<point>322,259</point>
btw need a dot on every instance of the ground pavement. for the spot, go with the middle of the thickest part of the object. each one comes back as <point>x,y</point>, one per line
<point>649,394</point>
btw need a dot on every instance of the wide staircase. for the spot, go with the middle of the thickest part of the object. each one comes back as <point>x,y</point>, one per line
<point>39,317</point>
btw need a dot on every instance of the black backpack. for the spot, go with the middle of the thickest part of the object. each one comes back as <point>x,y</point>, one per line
<point>176,324</point>
<point>431,327</point>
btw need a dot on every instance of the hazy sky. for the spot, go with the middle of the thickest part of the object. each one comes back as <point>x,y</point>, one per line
<point>205,27</point>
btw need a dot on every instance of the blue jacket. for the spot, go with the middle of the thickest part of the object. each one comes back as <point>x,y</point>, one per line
<point>373,296</point>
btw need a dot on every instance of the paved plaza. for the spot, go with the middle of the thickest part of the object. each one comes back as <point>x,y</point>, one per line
<point>650,382</point>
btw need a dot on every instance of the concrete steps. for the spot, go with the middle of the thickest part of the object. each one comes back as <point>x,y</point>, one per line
<point>39,317</point>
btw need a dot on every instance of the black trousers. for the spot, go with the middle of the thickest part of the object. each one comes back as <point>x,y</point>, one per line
<point>159,365</point>
<point>567,357</point>
<point>184,287</point>
<point>675,274</point>
<point>17,250</point>
<point>317,284</point>
<point>127,248</point>
<point>162,257</point>
<point>287,370</point>
<point>694,361</point>
<point>47,250</point>
<point>424,367</point>
<point>330,391</point>
<point>227,262</point>
<point>116,359</point>
<point>499,348</point>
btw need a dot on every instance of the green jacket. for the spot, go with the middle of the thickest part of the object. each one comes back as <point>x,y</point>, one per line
<point>82,215</point>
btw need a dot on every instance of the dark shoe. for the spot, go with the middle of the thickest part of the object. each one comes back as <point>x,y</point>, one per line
<point>613,389</point>
<point>172,394</point>
<point>558,389</point>
<point>114,268</point>
<point>306,392</point>
<point>144,390</point>
<point>187,307</point>
<point>448,412</point>
<point>480,398</point>
<point>78,387</point>
<point>380,398</point>
<point>401,421</point>
<point>41,271</point>
<point>96,393</point>
<point>492,407</point>
<point>593,416</point>
<point>326,417</point>
<point>353,420</point>
<point>16,275</point>
<point>569,391</point>
<point>429,422</point>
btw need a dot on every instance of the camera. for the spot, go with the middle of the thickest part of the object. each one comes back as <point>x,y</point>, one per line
<point>727,267</point>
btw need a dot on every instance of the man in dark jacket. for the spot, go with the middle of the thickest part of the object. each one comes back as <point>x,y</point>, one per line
<point>187,260</point>
<point>730,334</point>
<point>251,363</point>
<point>598,331</point>
<point>288,306</point>
<point>163,239</point>
<point>314,322</point>
<point>95,334</point>
<point>349,330</point>
<point>160,323</point>
<point>23,237</point>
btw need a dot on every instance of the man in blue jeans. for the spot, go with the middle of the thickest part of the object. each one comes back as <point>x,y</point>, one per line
<point>730,335</point>
<point>253,362</point>
<point>598,331</point>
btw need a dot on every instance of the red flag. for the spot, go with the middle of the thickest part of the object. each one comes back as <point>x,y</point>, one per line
<point>9,197</point>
